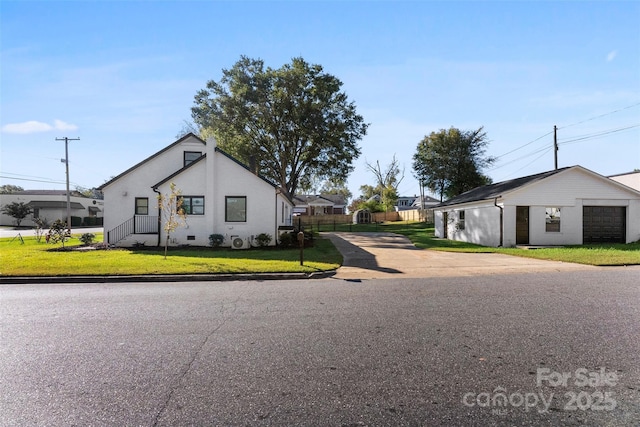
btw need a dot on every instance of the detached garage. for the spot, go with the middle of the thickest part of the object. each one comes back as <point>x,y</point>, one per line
<point>568,206</point>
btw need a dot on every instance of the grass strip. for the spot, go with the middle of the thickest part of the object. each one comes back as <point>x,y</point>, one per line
<point>41,259</point>
<point>605,254</point>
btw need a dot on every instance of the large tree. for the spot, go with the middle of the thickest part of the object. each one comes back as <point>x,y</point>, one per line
<point>450,162</point>
<point>293,122</point>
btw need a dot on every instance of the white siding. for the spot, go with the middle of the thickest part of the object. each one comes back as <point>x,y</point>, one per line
<point>213,178</point>
<point>568,190</point>
<point>481,224</point>
<point>120,195</point>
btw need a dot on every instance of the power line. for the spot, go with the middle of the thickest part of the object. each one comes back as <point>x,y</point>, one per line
<point>544,152</point>
<point>545,148</point>
<point>601,115</point>
<point>598,134</point>
<point>524,145</point>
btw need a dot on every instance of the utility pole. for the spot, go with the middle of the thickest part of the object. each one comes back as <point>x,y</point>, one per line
<point>66,162</point>
<point>555,146</point>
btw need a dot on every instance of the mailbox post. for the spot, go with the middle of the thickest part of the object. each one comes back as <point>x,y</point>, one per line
<point>301,243</point>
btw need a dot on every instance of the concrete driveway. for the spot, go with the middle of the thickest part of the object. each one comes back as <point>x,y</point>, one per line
<point>388,255</point>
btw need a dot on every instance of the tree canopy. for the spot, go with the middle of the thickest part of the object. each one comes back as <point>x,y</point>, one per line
<point>17,210</point>
<point>10,189</point>
<point>450,162</point>
<point>293,122</point>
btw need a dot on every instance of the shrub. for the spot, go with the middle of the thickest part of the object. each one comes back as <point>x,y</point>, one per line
<point>87,238</point>
<point>290,239</point>
<point>263,239</point>
<point>216,240</point>
<point>58,233</point>
<point>287,240</point>
<point>76,221</point>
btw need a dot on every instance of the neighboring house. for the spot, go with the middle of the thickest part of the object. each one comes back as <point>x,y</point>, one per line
<point>427,202</point>
<point>630,179</point>
<point>319,204</point>
<point>50,205</point>
<point>568,206</point>
<point>405,203</point>
<point>220,196</point>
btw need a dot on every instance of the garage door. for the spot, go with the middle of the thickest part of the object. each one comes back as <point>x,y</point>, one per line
<point>603,224</point>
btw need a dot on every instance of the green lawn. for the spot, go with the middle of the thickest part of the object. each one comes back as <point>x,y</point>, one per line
<point>604,254</point>
<point>39,259</point>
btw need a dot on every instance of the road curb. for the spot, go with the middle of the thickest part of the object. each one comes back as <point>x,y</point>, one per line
<point>165,278</point>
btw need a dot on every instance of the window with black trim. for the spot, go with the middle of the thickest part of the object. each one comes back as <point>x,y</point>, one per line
<point>461,220</point>
<point>193,205</point>
<point>142,206</point>
<point>552,220</point>
<point>235,209</point>
<point>191,156</point>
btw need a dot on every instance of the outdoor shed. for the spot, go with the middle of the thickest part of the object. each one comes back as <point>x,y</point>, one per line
<point>567,206</point>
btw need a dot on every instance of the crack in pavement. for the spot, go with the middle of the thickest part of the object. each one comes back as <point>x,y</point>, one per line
<point>194,356</point>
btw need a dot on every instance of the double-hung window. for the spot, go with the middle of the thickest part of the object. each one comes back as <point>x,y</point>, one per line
<point>142,206</point>
<point>193,205</point>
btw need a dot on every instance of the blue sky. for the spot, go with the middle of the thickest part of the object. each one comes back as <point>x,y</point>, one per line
<point>122,76</point>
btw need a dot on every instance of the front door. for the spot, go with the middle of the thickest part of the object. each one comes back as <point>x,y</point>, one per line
<point>522,225</point>
<point>445,224</point>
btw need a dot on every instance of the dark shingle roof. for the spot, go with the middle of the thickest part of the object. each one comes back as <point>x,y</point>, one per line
<point>492,191</point>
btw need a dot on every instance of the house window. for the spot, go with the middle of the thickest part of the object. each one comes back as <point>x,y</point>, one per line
<point>552,220</point>
<point>235,209</point>
<point>142,206</point>
<point>191,156</point>
<point>193,205</point>
<point>461,220</point>
<point>36,213</point>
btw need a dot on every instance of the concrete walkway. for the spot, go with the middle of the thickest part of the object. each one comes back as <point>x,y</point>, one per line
<point>388,255</point>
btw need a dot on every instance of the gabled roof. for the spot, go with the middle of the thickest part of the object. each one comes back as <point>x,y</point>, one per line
<point>427,200</point>
<point>168,147</point>
<point>179,171</point>
<point>498,189</point>
<point>319,199</point>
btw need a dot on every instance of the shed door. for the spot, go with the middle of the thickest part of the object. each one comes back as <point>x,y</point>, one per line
<point>604,224</point>
<point>522,225</point>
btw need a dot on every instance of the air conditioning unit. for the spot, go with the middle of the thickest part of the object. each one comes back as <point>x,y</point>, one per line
<point>238,242</point>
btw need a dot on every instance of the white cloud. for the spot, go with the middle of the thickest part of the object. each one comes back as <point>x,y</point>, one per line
<point>34,126</point>
<point>60,125</point>
<point>611,56</point>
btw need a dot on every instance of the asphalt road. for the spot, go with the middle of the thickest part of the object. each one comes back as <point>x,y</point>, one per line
<point>523,349</point>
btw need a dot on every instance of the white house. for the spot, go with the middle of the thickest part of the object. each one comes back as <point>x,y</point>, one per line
<point>220,196</point>
<point>568,206</point>
<point>50,205</point>
<point>630,179</point>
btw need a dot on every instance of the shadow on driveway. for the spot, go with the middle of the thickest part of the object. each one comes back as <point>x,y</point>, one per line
<point>355,256</point>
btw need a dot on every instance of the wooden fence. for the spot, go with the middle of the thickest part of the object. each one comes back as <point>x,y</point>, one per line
<point>345,222</point>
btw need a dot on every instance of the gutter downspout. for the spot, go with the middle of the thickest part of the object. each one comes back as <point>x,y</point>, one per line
<point>495,203</point>
<point>155,190</point>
